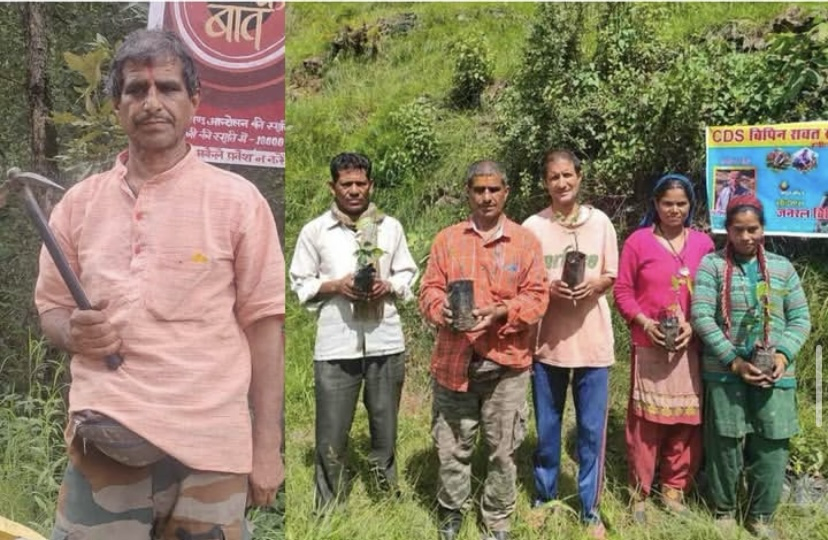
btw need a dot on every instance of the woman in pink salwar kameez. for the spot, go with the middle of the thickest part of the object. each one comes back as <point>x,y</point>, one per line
<point>652,292</point>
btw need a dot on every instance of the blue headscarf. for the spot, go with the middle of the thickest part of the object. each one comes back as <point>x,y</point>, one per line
<point>650,216</point>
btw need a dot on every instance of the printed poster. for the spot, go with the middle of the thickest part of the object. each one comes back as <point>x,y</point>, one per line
<point>781,164</point>
<point>239,49</point>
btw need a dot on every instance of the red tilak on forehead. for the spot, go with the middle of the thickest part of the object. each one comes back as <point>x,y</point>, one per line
<point>150,71</point>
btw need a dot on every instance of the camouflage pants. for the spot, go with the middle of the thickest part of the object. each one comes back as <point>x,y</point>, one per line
<point>100,499</point>
<point>500,406</point>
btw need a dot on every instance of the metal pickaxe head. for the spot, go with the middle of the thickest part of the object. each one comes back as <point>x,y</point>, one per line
<point>18,178</point>
<point>31,179</point>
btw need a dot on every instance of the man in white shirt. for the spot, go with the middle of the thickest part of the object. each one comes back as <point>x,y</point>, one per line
<point>359,334</point>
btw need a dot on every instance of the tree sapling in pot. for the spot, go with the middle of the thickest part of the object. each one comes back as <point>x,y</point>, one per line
<point>763,350</point>
<point>669,325</point>
<point>461,303</point>
<point>367,255</point>
<point>574,266</point>
<point>670,318</point>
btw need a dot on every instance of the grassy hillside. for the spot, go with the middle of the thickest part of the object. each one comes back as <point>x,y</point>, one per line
<point>377,102</point>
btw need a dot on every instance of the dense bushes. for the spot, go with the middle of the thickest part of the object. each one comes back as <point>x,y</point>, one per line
<point>635,105</point>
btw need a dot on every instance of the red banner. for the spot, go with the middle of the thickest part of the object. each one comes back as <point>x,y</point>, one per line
<point>239,50</point>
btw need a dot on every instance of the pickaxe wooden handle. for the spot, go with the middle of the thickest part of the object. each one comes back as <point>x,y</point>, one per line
<point>113,361</point>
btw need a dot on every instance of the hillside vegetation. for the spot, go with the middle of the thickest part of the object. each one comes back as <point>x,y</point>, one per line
<point>425,89</point>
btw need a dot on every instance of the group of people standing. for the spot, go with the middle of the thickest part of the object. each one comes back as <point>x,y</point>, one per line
<point>698,317</point>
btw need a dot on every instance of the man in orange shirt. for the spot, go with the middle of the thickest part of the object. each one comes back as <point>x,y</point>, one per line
<point>481,374</point>
<point>183,265</point>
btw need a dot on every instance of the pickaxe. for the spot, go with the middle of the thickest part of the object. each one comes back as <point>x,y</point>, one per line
<point>18,178</point>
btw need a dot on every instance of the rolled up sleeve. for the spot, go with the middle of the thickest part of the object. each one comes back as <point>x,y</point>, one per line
<point>259,268</point>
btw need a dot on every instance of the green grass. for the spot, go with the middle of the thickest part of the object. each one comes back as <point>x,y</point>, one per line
<point>352,111</point>
<point>370,516</point>
<point>691,18</point>
<point>32,452</point>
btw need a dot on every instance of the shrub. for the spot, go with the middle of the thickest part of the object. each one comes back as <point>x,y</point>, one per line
<point>808,447</point>
<point>92,134</point>
<point>472,72</point>
<point>411,143</point>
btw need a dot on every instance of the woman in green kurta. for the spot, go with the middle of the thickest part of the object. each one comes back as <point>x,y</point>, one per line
<point>744,297</point>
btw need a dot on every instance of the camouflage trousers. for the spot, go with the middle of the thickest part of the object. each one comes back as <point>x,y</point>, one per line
<point>101,499</point>
<point>498,404</point>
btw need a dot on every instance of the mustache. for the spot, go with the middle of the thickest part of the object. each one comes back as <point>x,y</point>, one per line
<point>147,118</point>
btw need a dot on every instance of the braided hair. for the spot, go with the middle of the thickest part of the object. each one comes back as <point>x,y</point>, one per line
<point>737,205</point>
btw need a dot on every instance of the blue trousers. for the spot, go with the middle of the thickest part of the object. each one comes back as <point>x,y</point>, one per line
<point>590,387</point>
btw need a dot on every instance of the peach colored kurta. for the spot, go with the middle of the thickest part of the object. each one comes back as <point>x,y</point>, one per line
<point>186,266</point>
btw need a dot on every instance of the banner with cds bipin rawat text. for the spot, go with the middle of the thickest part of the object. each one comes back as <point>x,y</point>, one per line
<point>781,165</point>
<point>239,50</point>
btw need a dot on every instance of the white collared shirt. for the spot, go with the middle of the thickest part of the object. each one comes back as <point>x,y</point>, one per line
<point>325,250</point>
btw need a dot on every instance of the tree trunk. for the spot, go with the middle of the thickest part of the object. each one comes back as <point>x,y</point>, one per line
<point>42,134</point>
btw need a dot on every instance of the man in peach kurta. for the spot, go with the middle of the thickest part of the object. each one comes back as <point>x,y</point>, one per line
<point>182,263</point>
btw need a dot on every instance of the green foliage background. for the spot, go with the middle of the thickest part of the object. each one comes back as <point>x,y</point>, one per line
<point>630,88</point>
